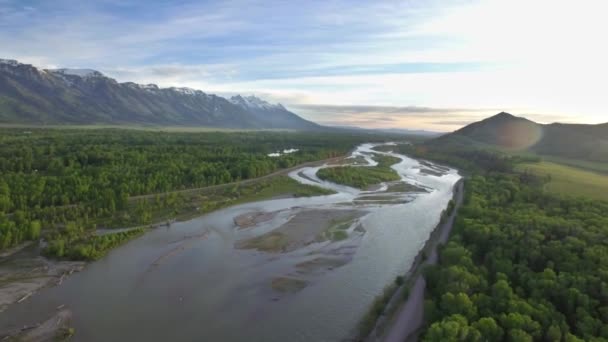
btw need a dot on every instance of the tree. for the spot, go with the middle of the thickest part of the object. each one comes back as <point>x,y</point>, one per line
<point>553,334</point>
<point>458,304</point>
<point>518,335</point>
<point>453,328</point>
<point>34,230</point>
<point>489,329</point>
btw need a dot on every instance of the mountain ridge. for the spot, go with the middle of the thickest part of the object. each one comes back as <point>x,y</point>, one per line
<point>513,133</point>
<point>29,95</point>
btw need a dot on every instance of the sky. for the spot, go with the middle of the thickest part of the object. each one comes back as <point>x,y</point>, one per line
<point>434,65</point>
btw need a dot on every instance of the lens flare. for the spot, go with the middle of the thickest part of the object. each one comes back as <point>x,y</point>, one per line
<point>519,135</point>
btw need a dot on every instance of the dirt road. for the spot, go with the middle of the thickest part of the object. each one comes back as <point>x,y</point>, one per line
<point>410,317</point>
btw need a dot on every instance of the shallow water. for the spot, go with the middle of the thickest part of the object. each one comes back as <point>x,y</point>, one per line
<point>188,282</point>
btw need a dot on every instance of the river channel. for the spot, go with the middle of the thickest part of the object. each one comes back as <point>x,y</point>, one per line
<point>214,278</point>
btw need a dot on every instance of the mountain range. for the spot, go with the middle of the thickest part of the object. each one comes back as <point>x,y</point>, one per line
<point>508,132</point>
<point>29,95</point>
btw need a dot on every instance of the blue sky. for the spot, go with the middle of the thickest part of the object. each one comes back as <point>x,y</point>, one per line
<point>417,64</point>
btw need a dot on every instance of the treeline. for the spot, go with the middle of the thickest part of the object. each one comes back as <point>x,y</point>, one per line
<point>471,161</point>
<point>52,179</point>
<point>51,167</point>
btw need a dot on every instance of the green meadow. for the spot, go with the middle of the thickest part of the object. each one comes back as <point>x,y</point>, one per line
<point>568,180</point>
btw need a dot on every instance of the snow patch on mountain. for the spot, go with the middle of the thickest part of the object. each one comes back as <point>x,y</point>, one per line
<point>187,91</point>
<point>78,72</point>
<point>252,102</point>
<point>10,62</point>
<point>148,87</point>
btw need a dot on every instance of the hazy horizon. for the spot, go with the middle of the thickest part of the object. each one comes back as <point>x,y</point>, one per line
<point>435,66</point>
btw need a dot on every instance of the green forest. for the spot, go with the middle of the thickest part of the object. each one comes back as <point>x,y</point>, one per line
<point>62,184</point>
<point>521,264</point>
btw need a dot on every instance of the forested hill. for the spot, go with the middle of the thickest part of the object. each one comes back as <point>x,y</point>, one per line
<point>29,95</point>
<point>505,131</point>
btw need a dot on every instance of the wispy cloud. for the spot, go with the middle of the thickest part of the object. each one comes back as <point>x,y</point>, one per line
<point>409,110</point>
<point>391,117</point>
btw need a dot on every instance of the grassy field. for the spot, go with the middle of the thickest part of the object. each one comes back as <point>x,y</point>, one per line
<point>580,164</point>
<point>576,163</point>
<point>572,181</point>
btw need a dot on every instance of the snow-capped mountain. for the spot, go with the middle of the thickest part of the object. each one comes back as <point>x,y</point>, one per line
<point>275,115</point>
<point>84,96</point>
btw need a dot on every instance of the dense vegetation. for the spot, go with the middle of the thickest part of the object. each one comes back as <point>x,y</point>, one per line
<point>362,176</point>
<point>76,244</point>
<point>522,264</point>
<point>67,182</point>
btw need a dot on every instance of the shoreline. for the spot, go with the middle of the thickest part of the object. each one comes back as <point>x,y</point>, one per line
<point>23,276</point>
<point>411,279</point>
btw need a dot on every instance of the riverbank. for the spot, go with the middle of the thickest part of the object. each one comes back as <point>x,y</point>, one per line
<point>56,328</point>
<point>146,213</point>
<point>399,321</point>
<point>24,271</point>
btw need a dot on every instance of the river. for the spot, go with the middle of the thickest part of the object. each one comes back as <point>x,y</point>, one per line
<point>190,282</point>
